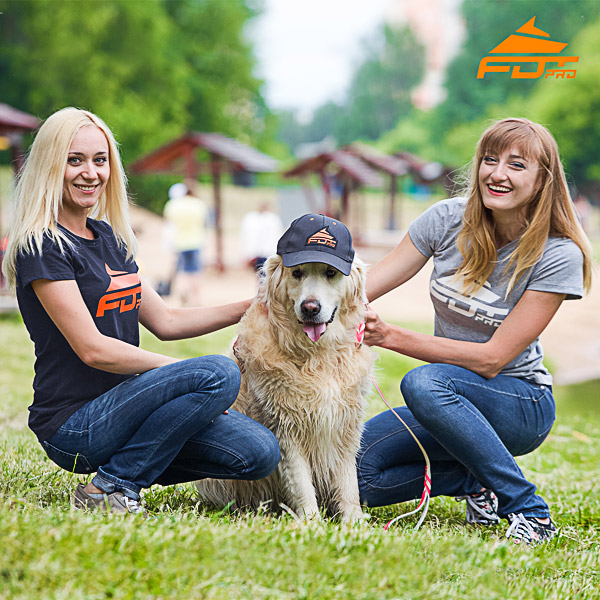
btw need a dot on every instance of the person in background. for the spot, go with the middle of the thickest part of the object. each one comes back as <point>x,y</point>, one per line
<point>505,256</point>
<point>101,403</point>
<point>186,217</point>
<point>260,231</point>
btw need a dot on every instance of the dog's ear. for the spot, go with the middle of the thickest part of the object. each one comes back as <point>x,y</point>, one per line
<point>358,275</point>
<point>272,272</point>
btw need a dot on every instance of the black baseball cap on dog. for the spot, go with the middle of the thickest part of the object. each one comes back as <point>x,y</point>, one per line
<point>317,239</point>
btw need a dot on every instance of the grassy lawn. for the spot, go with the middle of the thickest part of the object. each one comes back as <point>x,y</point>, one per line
<point>49,550</point>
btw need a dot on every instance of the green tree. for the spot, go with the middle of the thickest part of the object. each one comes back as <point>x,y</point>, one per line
<point>113,58</point>
<point>151,68</point>
<point>568,107</point>
<point>571,107</point>
<point>449,132</point>
<point>224,95</point>
<point>379,94</point>
<point>488,24</point>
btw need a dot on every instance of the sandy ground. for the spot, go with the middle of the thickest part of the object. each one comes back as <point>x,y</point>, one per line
<point>571,341</point>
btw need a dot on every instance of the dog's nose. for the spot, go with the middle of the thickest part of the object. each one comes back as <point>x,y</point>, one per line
<point>310,308</point>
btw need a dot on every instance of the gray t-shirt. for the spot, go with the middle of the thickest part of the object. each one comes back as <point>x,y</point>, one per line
<point>475,318</point>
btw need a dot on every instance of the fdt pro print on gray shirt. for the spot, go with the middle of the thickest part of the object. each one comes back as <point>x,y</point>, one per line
<point>475,318</point>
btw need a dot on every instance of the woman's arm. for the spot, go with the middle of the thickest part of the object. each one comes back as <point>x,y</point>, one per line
<point>402,263</point>
<point>63,302</point>
<point>178,323</point>
<point>521,327</point>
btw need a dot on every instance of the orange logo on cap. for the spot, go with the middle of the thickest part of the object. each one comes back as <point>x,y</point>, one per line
<point>530,46</point>
<point>125,292</point>
<point>322,238</point>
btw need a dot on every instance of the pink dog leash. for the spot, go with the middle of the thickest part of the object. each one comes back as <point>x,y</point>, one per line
<point>426,496</point>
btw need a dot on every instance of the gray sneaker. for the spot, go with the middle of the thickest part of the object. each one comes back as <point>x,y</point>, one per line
<point>482,508</point>
<point>117,502</point>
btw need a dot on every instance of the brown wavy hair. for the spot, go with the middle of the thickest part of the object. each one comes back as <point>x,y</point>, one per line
<point>550,213</point>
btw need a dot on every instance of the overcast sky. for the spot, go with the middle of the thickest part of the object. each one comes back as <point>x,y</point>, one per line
<point>307,49</point>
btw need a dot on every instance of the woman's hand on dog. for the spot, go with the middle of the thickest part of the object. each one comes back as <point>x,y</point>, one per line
<point>376,329</point>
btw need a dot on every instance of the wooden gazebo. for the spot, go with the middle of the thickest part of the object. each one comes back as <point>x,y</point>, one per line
<point>348,169</point>
<point>428,173</point>
<point>14,124</point>
<point>225,155</point>
<point>393,166</point>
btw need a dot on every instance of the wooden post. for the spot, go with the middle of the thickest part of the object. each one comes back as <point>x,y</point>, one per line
<point>346,183</point>
<point>216,180</point>
<point>17,151</point>
<point>391,224</point>
<point>190,162</point>
<point>327,192</point>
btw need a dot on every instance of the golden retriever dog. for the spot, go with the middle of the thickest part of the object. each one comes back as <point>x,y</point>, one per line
<point>306,378</point>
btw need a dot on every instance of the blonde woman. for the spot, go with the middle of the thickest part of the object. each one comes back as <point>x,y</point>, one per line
<point>102,404</point>
<point>505,256</point>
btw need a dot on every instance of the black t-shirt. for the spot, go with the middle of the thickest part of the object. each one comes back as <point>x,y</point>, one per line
<point>111,289</point>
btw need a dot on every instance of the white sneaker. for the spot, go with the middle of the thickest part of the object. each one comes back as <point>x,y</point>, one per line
<point>529,530</point>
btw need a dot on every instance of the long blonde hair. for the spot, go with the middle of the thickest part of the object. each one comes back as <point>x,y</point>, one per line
<point>37,198</point>
<point>550,213</point>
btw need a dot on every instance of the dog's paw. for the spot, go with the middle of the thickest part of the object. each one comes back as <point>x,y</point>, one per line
<point>302,513</point>
<point>354,514</point>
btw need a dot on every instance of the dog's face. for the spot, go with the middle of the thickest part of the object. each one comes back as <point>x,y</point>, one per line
<point>315,296</point>
<point>316,290</point>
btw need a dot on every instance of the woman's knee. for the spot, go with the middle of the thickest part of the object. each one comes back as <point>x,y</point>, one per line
<point>423,387</point>
<point>216,373</point>
<point>263,454</point>
<point>226,371</point>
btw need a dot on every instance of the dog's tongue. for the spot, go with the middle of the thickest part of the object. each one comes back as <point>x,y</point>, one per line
<point>314,330</point>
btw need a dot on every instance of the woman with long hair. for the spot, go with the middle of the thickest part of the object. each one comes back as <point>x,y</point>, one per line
<point>101,403</point>
<point>505,256</point>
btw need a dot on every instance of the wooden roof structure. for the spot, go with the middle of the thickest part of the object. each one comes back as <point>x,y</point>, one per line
<point>178,157</point>
<point>393,166</point>
<point>13,124</point>
<point>226,155</point>
<point>427,172</point>
<point>348,168</point>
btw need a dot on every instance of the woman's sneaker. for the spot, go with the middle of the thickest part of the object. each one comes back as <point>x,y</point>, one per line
<point>116,502</point>
<point>529,530</point>
<point>482,509</point>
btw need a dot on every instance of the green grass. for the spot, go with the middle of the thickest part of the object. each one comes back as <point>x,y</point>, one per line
<point>49,550</point>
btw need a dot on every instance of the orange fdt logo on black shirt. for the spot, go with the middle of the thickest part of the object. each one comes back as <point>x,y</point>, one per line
<point>124,292</point>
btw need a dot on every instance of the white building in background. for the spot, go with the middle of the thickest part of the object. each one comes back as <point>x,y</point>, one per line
<point>439,26</point>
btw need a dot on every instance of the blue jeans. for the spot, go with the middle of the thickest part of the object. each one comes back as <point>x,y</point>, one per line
<point>166,426</point>
<point>189,261</point>
<point>470,427</point>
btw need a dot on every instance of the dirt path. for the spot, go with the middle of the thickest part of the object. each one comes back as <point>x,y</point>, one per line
<point>571,341</point>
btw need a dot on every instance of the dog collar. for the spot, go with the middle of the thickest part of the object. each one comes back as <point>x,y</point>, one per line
<point>360,334</point>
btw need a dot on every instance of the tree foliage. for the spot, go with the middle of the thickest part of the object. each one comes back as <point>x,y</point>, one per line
<point>488,24</point>
<point>378,95</point>
<point>380,90</point>
<point>571,108</point>
<point>152,69</point>
<point>568,107</point>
